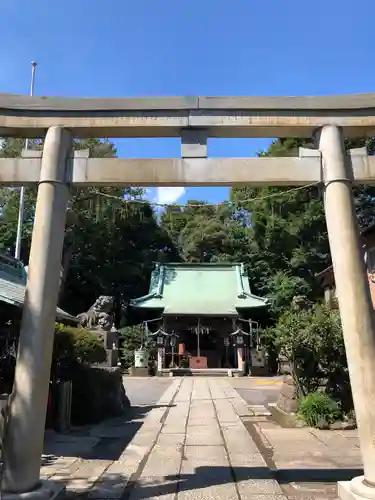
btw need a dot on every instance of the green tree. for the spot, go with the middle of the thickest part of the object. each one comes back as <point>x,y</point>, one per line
<point>289,242</point>
<point>175,218</point>
<point>202,232</point>
<point>312,340</point>
<point>109,244</point>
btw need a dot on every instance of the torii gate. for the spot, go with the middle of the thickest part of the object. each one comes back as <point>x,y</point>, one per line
<point>328,119</point>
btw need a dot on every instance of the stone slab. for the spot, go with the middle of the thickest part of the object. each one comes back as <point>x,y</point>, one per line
<point>206,475</point>
<point>154,489</point>
<point>174,429</point>
<point>176,440</point>
<point>204,435</point>
<point>248,483</point>
<point>246,494</point>
<point>83,478</point>
<point>225,411</point>
<point>111,488</point>
<point>259,410</point>
<point>197,421</point>
<point>115,478</point>
<point>242,450</point>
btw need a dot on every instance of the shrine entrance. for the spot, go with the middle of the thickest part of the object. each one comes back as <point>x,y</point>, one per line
<point>204,314</point>
<point>327,119</point>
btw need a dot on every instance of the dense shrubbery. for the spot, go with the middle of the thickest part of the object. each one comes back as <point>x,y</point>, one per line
<point>312,341</point>
<point>98,392</point>
<point>77,344</point>
<point>318,409</point>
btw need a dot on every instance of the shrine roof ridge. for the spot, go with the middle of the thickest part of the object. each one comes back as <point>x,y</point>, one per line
<point>186,289</point>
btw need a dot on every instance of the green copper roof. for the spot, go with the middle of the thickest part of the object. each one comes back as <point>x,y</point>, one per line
<point>199,289</point>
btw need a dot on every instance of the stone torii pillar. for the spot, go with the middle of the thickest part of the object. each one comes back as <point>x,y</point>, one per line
<point>354,299</point>
<point>25,430</point>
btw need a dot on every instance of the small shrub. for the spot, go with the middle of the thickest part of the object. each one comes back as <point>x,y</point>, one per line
<point>77,345</point>
<point>318,407</point>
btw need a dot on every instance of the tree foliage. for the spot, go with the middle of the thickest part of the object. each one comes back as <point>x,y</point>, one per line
<point>312,340</point>
<point>289,241</point>
<point>278,233</point>
<point>109,246</point>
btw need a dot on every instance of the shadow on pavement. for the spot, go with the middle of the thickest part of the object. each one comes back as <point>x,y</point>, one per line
<point>104,441</point>
<point>260,481</point>
<point>207,476</point>
<point>316,475</point>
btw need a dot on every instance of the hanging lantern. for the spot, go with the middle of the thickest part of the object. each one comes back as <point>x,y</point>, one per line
<point>173,341</point>
<point>160,340</point>
<point>226,342</point>
<point>239,340</point>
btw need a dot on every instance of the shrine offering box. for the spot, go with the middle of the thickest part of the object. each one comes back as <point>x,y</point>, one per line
<point>197,362</point>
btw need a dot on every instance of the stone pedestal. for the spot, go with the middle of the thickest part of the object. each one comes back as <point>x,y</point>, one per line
<point>109,338</point>
<point>355,490</point>
<point>288,398</point>
<point>110,341</point>
<point>112,358</point>
<point>138,372</point>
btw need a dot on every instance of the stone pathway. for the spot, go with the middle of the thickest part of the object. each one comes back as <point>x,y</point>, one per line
<point>200,441</point>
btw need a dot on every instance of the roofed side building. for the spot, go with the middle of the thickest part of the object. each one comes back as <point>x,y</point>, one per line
<point>13,279</point>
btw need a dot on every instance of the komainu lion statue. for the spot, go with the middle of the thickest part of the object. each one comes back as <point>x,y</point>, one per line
<point>99,316</point>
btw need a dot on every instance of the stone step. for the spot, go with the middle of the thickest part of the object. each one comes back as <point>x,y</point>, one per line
<point>206,372</point>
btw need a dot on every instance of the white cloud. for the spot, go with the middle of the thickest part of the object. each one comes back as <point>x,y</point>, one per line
<point>167,195</point>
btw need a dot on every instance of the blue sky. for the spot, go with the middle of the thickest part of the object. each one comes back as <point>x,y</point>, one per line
<point>206,47</point>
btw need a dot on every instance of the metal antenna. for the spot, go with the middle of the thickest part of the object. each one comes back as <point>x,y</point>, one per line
<point>21,207</point>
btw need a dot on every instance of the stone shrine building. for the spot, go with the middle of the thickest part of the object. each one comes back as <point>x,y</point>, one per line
<point>202,314</point>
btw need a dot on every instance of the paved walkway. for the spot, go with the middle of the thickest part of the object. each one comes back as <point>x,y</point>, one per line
<point>192,444</point>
